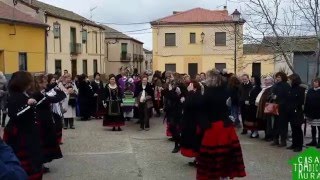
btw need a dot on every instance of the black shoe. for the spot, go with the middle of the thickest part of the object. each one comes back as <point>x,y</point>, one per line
<point>282,145</point>
<point>65,128</point>
<point>128,119</point>
<point>291,147</point>
<point>275,143</point>
<point>176,149</point>
<point>312,143</point>
<point>46,170</point>
<point>171,139</point>
<point>119,129</point>
<point>72,127</point>
<point>244,131</point>
<point>114,129</point>
<point>297,149</point>
<point>192,164</point>
<point>138,122</point>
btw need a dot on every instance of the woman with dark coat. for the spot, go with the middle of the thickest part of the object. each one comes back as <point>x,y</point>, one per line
<point>22,131</point>
<point>251,122</point>
<point>220,154</point>
<point>86,97</point>
<point>98,90</point>
<point>295,102</point>
<point>114,116</point>
<point>311,110</point>
<point>144,96</point>
<point>244,99</point>
<point>190,138</point>
<point>280,93</point>
<point>50,145</point>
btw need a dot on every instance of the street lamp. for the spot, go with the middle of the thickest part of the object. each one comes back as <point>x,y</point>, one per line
<point>236,18</point>
<point>202,36</point>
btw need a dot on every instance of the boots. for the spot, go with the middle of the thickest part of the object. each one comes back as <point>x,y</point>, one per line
<point>66,122</point>
<point>176,148</point>
<point>4,116</point>
<point>71,121</point>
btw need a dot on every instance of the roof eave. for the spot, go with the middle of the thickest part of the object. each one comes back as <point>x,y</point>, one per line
<point>157,23</point>
<point>73,20</point>
<point>9,21</point>
<point>132,39</point>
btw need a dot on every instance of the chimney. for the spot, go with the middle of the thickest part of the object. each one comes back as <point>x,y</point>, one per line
<point>176,12</point>
<point>225,8</point>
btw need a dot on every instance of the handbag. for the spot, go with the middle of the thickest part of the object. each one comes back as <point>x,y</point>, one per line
<point>271,108</point>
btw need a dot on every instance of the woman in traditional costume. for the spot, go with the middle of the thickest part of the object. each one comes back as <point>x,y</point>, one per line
<point>114,117</point>
<point>98,90</point>
<point>190,137</point>
<point>220,154</point>
<point>22,131</point>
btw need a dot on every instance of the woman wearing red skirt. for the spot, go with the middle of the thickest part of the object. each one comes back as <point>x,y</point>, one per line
<point>22,131</point>
<point>220,154</point>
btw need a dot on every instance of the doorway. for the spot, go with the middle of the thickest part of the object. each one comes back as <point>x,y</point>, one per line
<point>74,68</point>
<point>192,69</point>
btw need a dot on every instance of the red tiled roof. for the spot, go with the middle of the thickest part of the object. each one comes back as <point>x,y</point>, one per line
<point>10,14</point>
<point>196,16</point>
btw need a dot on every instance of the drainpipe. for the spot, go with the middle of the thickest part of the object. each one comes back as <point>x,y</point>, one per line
<point>100,53</point>
<point>46,51</point>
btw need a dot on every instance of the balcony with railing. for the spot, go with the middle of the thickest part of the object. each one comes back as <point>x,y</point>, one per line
<point>141,58</point>
<point>124,56</point>
<point>75,48</point>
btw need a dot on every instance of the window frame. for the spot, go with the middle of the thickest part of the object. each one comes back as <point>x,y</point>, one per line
<point>216,39</point>
<point>166,43</point>
<point>95,65</point>
<point>170,64</point>
<point>25,61</point>
<point>85,66</point>
<point>55,64</point>
<point>193,38</point>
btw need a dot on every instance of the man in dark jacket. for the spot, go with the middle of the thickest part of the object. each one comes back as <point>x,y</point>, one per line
<point>245,89</point>
<point>10,168</point>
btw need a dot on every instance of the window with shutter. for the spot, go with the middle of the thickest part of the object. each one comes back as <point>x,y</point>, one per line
<point>221,39</point>
<point>170,39</point>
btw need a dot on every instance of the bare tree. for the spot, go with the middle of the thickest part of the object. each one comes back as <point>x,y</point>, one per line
<point>309,12</point>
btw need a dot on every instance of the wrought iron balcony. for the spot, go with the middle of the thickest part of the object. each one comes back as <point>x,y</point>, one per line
<point>75,48</point>
<point>124,56</point>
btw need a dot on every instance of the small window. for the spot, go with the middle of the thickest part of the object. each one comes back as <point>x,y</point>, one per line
<point>220,66</point>
<point>192,38</point>
<point>23,62</point>
<point>124,47</point>
<point>57,65</point>
<point>170,67</point>
<point>84,36</point>
<point>85,67</point>
<point>95,66</point>
<point>96,41</point>
<point>170,39</point>
<point>56,30</point>
<point>221,38</point>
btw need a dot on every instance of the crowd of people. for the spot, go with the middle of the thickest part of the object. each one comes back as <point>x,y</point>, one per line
<point>202,114</point>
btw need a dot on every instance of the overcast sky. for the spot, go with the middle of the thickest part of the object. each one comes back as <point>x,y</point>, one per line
<point>132,11</point>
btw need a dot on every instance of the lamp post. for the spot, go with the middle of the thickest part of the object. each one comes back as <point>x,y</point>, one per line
<point>202,37</point>
<point>236,18</point>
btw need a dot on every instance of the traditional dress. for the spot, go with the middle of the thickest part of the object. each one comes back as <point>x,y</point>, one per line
<point>69,104</point>
<point>252,122</point>
<point>220,154</point>
<point>113,117</point>
<point>86,100</point>
<point>44,116</point>
<point>127,88</point>
<point>23,135</point>
<point>190,137</point>
<point>97,87</point>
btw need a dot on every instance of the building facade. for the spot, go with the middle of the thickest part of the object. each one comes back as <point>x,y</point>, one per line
<point>197,40</point>
<point>148,60</point>
<point>122,51</point>
<point>73,42</point>
<point>22,41</point>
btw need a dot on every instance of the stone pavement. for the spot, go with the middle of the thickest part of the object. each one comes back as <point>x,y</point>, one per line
<point>92,152</point>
